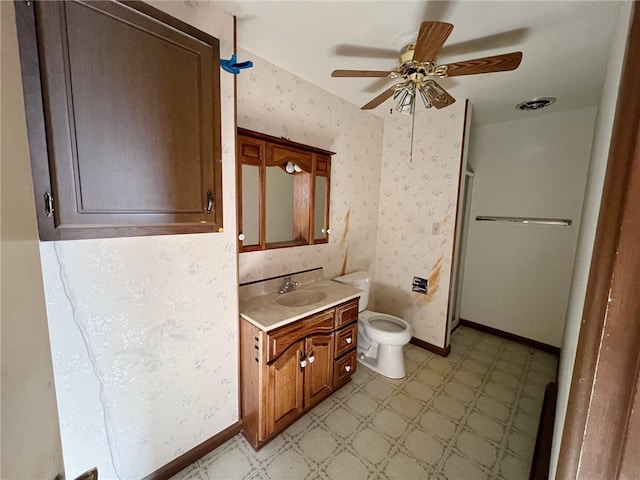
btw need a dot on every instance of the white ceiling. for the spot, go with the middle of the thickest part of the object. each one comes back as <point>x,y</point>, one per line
<point>564,44</point>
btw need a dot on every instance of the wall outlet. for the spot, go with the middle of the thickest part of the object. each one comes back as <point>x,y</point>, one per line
<point>419,285</point>
<point>435,228</point>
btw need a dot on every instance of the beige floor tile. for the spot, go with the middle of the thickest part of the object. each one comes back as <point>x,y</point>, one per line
<point>458,468</point>
<point>505,379</point>
<point>390,423</point>
<point>288,464</point>
<point>475,367</point>
<point>499,392</point>
<point>459,392</point>
<point>429,377</point>
<point>318,444</point>
<point>469,379</point>
<point>379,389</point>
<point>424,446</point>
<point>400,466</point>
<point>416,354</point>
<point>405,406</point>
<point>371,446</point>
<point>512,468</point>
<point>419,390</point>
<point>477,448</point>
<point>346,466</point>
<point>493,408</point>
<point>231,465</point>
<point>362,404</point>
<point>521,445</point>
<point>486,426</point>
<point>342,422</point>
<point>438,424</point>
<point>449,407</point>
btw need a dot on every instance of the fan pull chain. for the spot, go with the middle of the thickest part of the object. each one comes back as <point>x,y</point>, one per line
<point>413,123</point>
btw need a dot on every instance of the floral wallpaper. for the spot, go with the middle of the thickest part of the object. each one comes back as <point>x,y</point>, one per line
<point>276,102</point>
<point>419,187</point>
<point>144,331</point>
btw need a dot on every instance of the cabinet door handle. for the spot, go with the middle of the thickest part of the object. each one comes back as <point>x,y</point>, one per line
<point>311,359</point>
<point>349,340</point>
<point>347,368</point>
<point>209,203</point>
<point>303,363</point>
<point>48,204</point>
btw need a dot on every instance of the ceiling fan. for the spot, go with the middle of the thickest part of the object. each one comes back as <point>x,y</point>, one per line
<point>417,69</point>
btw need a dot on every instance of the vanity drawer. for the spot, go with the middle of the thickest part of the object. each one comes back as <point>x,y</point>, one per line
<point>345,339</point>
<point>347,313</point>
<point>344,368</point>
<point>280,339</point>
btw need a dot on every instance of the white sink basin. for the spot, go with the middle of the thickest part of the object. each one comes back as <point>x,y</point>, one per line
<point>299,298</point>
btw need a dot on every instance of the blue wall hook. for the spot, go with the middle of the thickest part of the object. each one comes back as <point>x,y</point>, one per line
<point>232,66</point>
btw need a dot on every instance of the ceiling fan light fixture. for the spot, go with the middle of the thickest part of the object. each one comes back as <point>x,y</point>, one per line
<point>406,98</point>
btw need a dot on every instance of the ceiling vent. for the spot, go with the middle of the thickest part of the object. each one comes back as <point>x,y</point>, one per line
<point>535,103</point>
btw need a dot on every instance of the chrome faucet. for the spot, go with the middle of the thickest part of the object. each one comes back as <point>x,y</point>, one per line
<point>288,286</point>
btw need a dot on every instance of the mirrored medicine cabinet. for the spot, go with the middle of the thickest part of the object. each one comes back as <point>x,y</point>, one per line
<point>283,192</point>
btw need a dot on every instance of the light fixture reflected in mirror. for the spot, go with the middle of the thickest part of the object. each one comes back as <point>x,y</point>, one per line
<point>291,167</point>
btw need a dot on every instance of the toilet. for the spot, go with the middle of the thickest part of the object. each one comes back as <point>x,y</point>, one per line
<point>380,336</point>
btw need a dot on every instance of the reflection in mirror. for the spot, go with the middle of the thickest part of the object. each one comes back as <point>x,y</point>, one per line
<point>279,205</point>
<point>320,208</point>
<point>251,204</point>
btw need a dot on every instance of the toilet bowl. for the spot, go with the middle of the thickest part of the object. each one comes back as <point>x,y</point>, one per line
<point>381,337</point>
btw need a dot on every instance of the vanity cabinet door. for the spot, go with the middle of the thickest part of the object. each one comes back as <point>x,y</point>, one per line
<point>318,375</point>
<point>285,383</point>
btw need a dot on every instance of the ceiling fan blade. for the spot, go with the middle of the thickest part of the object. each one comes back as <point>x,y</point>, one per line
<point>379,99</point>
<point>360,73</point>
<point>496,63</point>
<point>443,99</point>
<point>430,40</point>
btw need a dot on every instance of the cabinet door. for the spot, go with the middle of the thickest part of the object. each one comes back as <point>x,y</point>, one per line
<point>318,375</point>
<point>127,138</point>
<point>284,388</point>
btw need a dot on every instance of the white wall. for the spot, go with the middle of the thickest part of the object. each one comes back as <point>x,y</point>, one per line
<point>415,192</point>
<point>590,211</point>
<point>517,277</point>
<point>31,446</point>
<point>144,330</point>
<point>276,102</point>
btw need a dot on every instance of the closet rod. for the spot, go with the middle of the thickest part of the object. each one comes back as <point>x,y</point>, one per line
<point>530,221</point>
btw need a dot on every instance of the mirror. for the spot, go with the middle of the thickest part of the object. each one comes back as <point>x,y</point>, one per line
<point>283,192</point>
<point>279,206</point>
<point>251,204</point>
<point>320,220</point>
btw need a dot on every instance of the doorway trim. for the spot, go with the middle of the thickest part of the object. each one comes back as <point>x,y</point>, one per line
<point>597,440</point>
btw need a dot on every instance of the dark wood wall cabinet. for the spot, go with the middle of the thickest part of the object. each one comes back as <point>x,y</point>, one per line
<point>283,192</point>
<point>286,371</point>
<point>123,119</point>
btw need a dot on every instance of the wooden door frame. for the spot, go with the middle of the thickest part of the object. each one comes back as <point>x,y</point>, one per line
<point>597,438</point>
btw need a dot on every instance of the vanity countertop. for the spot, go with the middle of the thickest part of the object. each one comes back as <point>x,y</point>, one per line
<point>264,312</point>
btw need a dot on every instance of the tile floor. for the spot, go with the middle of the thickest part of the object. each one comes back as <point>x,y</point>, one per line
<point>472,415</point>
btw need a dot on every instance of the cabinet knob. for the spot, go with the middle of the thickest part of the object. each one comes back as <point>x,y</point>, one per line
<point>347,368</point>
<point>303,363</point>
<point>311,359</point>
<point>349,340</point>
<point>241,237</point>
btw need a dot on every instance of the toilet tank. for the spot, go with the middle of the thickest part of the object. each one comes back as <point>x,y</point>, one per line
<point>358,280</point>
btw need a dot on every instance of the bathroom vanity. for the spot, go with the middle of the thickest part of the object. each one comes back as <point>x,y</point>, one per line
<point>296,349</point>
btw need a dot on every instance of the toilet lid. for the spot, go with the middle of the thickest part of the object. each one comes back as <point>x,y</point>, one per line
<point>386,324</point>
